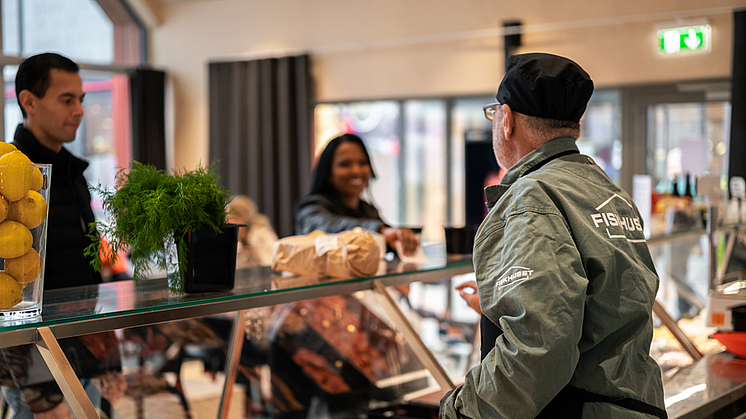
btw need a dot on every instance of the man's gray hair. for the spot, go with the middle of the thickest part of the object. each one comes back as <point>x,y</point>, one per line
<point>542,130</point>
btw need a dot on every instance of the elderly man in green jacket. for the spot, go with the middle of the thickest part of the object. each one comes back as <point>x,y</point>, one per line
<point>565,281</point>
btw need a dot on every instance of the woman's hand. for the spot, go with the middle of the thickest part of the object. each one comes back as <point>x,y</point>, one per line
<point>404,236</point>
<point>471,298</point>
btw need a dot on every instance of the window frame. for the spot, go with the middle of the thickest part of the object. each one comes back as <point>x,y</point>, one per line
<point>130,42</point>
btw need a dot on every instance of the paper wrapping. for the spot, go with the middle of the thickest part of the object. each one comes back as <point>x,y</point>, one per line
<point>352,253</point>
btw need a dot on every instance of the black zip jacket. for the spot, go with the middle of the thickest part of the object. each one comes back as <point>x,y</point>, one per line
<point>328,214</point>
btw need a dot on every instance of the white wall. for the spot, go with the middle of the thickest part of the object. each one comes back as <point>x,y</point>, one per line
<point>418,48</point>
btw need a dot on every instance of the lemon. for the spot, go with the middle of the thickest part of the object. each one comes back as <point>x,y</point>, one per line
<point>15,239</point>
<point>37,180</point>
<point>10,291</point>
<point>24,269</point>
<point>6,147</point>
<point>29,211</point>
<point>3,208</point>
<point>15,175</point>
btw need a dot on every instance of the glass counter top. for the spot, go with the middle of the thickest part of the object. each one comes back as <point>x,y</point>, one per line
<point>706,386</point>
<point>116,305</point>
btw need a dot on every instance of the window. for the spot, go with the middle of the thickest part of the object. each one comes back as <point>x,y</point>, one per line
<point>687,139</point>
<point>601,132</point>
<point>82,30</point>
<point>79,29</point>
<point>408,155</point>
<point>378,124</point>
<point>425,160</point>
<point>467,124</point>
<point>419,152</point>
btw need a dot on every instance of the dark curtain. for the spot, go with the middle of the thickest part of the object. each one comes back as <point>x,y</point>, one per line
<point>260,132</point>
<point>147,93</point>
<point>736,164</point>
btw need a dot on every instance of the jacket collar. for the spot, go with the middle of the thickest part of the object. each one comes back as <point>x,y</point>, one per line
<point>28,141</point>
<point>534,159</point>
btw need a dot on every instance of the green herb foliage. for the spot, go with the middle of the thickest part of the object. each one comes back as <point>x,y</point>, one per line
<point>151,206</point>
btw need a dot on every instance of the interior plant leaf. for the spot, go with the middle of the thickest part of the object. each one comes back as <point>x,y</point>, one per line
<point>149,205</point>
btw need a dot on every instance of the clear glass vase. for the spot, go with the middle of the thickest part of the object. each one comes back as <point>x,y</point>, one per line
<point>23,239</point>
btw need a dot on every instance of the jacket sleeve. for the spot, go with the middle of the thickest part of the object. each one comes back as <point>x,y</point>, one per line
<point>533,285</point>
<point>317,215</point>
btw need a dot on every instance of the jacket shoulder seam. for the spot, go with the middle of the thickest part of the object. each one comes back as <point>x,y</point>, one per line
<point>527,209</point>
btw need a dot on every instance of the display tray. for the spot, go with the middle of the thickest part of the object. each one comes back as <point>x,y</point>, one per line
<point>735,342</point>
<point>337,350</point>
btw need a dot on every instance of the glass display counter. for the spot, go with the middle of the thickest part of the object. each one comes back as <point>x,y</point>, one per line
<point>116,305</point>
<point>124,305</point>
<point>689,262</point>
<point>121,305</point>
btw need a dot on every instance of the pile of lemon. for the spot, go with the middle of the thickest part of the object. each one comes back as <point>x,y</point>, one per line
<point>22,209</point>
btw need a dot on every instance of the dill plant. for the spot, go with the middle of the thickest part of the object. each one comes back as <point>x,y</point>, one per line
<point>150,206</point>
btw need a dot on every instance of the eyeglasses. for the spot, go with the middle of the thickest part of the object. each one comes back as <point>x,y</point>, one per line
<point>489,110</point>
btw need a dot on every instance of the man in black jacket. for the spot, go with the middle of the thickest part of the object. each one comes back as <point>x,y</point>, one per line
<point>50,93</point>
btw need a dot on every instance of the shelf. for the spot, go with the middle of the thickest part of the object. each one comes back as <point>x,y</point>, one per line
<point>82,310</point>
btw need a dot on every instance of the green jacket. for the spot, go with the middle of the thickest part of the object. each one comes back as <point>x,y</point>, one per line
<point>564,270</point>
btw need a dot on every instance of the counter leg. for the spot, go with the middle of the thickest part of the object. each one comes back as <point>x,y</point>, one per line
<point>231,365</point>
<point>415,342</point>
<point>712,233</point>
<point>64,375</point>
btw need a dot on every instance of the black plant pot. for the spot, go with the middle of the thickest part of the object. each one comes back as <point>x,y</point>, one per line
<point>211,259</point>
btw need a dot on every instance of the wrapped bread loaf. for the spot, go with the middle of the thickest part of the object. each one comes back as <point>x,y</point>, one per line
<point>352,253</point>
<point>296,254</point>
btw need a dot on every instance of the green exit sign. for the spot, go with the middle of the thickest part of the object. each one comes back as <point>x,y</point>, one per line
<point>684,39</point>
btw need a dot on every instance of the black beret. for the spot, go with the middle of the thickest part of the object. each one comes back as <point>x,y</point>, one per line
<point>545,86</point>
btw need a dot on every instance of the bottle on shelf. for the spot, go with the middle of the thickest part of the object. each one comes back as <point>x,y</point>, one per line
<point>688,186</point>
<point>675,186</point>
